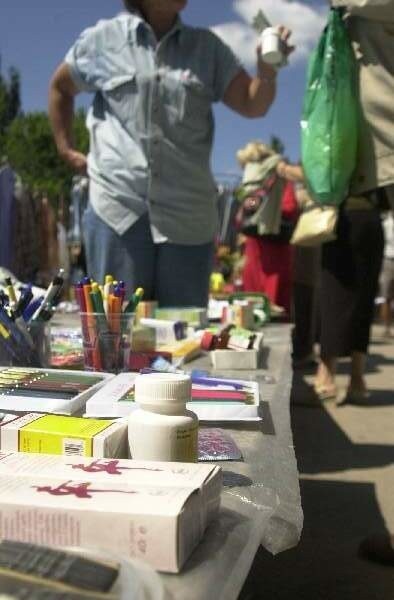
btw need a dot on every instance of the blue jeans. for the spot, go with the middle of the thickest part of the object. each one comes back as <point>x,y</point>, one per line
<point>172,274</point>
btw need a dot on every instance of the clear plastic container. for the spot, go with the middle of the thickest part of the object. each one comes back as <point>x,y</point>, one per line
<point>107,341</point>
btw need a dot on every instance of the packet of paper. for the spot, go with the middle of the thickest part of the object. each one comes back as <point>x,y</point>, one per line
<point>158,523</point>
<point>57,434</point>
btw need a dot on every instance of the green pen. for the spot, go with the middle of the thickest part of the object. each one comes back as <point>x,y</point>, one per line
<point>105,339</point>
<point>134,301</point>
<point>97,299</point>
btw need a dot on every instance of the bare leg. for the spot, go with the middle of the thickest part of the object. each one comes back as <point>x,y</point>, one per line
<point>386,315</point>
<point>325,376</point>
<point>357,381</point>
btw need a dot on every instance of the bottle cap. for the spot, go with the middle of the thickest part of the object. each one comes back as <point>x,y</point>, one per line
<point>163,389</point>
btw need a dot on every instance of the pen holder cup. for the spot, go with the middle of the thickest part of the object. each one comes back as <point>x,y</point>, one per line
<point>30,347</point>
<point>107,341</point>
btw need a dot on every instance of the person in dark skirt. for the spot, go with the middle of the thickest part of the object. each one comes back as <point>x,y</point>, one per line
<point>349,281</point>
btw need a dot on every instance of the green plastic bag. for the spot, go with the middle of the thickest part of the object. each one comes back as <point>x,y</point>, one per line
<point>330,121</point>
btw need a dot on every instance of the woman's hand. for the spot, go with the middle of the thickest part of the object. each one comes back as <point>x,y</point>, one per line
<point>76,160</point>
<point>285,35</point>
<point>293,173</point>
<point>268,70</point>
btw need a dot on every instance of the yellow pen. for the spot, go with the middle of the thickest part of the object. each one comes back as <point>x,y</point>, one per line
<point>108,289</point>
<point>10,291</point>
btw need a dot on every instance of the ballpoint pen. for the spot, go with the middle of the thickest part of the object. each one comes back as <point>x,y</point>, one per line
<point>32,307</point>
<point>51,294</point>
<point>134,300</point>
<point>10,291</point>
<point>6,341</point>
<point>24,299</point>
<point>108,289</point>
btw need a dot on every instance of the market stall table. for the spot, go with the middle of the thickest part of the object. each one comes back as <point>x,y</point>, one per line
<point>261,501</point>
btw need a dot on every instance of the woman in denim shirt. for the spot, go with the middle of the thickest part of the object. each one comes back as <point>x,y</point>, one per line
<point>152,213</point>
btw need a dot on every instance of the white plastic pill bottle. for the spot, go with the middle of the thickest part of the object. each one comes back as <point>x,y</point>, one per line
<point>161,428</point>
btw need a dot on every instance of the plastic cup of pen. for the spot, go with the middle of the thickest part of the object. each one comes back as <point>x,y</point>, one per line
<point>107,341</point>
<point>26,345</point>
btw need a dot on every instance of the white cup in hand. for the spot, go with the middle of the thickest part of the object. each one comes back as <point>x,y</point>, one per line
<point>271,46</point>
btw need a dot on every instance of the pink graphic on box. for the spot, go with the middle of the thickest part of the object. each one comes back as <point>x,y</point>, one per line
<point>78,489</point>
<point>111,467</point>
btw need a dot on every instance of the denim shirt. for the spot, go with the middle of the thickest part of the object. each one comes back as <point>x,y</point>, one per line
<point>151,123</point>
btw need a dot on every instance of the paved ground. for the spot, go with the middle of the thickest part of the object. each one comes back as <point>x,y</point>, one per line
<point>346,463</point>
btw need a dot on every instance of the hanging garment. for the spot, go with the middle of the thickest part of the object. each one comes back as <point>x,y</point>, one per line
<point>26,260</point>
<point>268,264</point>
<point>7,216</point>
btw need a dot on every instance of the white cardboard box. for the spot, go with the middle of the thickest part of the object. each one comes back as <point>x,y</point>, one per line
<point>204,477</point>
<point>12,402</point>
<point>156,521</point>
<point>58,434</point>
<point>235,359</point>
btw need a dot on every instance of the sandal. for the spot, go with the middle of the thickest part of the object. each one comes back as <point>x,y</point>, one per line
<point>356,397</point>
<point>325,392</point>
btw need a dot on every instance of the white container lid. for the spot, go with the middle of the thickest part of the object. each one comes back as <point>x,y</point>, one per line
<point>162,389</point>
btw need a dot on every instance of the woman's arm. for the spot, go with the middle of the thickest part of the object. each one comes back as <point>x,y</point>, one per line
<point>290,172</point>
<point>252,96</point>
<point>62,91</point>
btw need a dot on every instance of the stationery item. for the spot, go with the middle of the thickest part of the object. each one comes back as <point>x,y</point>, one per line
<point>240,314</point>
<point>107,340</point>
<point>47,390</point>
<point>134,301</point>
<point>66,347</point>
<point>235,359</point>
<point>76,573</point>
<point>51,295</point>
<point>163,364</point>
<point>119,508</point>
<point>215,309</point>
<point>23,302</point>
<point>73,436</point>
<point>146,309</point>
<point>32,307</point>
<point>217,444</point>
<point>245,339</point>
<point>212,399</point>
<point>143,360</point>
<point>107,291</point>
<point>23,344</point>
<point>231,338</point>
<point>10,291</point>
<point>183,351</point>
<point>161,428</point>
<point>166,331</point>
<point>214,339</point>
<point>193,316</point>
<point>144,339</point>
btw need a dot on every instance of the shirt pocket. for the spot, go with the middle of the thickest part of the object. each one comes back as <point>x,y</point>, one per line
<point>195,103</point>
<point>121,95</point>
